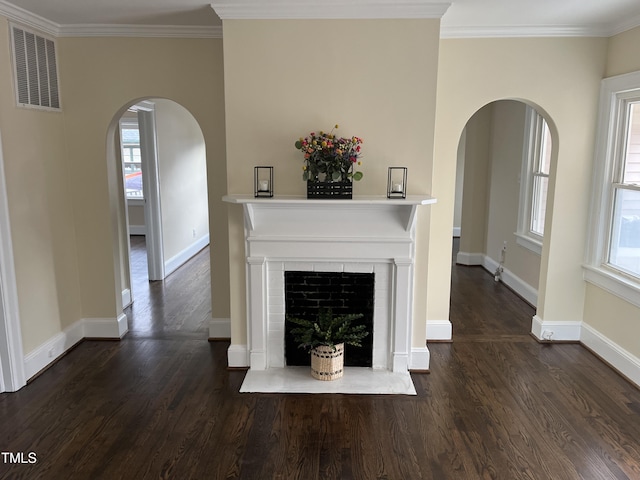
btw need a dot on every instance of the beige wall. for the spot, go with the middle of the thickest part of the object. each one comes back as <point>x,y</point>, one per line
<point>610,315</point>
<point>284,79</point>
<point>41,211</point>
<point>622,56</point>
<point>182,172</point>
<point>99,78</point>
<point>477,161</point>
<point>507,143</point>
<point>135,214</point>
<point>560,75</point>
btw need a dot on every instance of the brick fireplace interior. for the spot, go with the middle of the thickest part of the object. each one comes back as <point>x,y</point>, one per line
<point>307,293</point>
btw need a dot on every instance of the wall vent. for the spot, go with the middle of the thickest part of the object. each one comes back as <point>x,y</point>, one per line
<point>35,68</point>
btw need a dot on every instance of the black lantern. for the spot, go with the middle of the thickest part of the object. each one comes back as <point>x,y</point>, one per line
<point>263,182</point>
<point>397,182</point>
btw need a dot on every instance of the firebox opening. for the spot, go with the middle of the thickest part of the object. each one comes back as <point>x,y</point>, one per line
<point>344,293</point>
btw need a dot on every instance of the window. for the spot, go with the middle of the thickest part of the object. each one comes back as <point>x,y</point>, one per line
<point>131,158</point>
<point>614,248</point>
<point>35,69</point>
<point>534,181</point>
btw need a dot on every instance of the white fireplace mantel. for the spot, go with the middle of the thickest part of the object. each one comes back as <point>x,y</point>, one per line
<point>364,234</point>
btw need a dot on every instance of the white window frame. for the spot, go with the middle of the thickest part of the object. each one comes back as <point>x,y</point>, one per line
<point>129,123</point>
<point>531,157</point>
<point>615,94</point>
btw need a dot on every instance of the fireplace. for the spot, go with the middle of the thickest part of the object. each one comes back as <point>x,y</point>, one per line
<point>308,293</point>
<point>366,235</point>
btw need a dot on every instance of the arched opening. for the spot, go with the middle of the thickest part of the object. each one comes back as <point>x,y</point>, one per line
<point>506,160</point>
<point>156,157</point>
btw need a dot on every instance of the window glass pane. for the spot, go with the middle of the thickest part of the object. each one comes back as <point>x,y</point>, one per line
<point>545,149</point>
<point>130,136</point>
<point>539,204</point>
<point>632,159</point>
<point>625,233</point>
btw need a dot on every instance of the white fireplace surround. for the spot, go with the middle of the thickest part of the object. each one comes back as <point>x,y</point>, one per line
<point>367,234</point>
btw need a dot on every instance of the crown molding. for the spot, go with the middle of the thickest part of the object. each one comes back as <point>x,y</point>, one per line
<point>28,19</point>
<point>158,31</point>
<point>523,31</point>
<point>624,25</point>
<point>333,9</point>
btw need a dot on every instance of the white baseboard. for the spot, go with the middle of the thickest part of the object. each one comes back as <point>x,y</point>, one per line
<point>178,260</point>
<point>238,356</point>
<point>220,328</point>
<point>439,330</point>
<point>465,258</point>
<point>420,358</point>
<point>457,231</point>
<point>126,298</point>
<point>137,230</point>
<point>39,358</point>
<point>106,327</point>
<point>612,353</point>
<point>555,331</point>
<point>512,281</point>
<point>42,356</point>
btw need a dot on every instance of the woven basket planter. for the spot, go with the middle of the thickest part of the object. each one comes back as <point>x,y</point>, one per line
<point>327,364</point>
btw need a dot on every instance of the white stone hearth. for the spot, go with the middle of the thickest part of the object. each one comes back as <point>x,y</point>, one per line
<point>362,235</point>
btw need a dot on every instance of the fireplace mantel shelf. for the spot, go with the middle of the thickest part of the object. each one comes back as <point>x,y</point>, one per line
<point>358,202</point>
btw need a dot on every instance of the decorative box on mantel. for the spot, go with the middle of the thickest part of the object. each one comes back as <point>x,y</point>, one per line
<point>367,234</point>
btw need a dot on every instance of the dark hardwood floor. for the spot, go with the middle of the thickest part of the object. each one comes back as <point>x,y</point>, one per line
<point>162,404</point>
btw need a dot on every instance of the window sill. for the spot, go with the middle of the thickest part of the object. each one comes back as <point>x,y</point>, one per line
<point>614,283</point>
<point>529,243</point>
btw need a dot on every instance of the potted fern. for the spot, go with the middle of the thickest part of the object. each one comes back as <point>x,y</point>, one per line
<point>324,338</point>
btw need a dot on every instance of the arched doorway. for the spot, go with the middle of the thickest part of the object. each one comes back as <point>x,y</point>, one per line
<point>170,207</point>
<point>505,159</point>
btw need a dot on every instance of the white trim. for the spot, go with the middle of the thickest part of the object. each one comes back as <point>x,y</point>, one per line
<point>220,328</point>
<point>554,330</point>
<point>182,257</point>
<point>334,9</point>
<point>613,283</point>
<point>614,91</point>
<point>127,299</point>
<point>45,354</point>
<point>624,25</point>
<point>465,258</point>
<point>17,14</point>
<point>420,358</point>
<point>140,31</point>
<point>106,327</point>
<point>138,230</point>
<point>439,330</point>
<point>42,356</point>
<point>529,243</point>
<point>151,189</point>
<point>12,369</point>
<point>523,31</point>
<point>457,231</point>
<point>512,281</point>
<point>619,358</point>
<point>237,356</point>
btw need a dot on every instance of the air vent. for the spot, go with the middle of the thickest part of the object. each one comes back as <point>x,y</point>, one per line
<point>36,71</point>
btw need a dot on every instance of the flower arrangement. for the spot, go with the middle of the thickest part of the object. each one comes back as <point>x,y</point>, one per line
<point>329,158</point>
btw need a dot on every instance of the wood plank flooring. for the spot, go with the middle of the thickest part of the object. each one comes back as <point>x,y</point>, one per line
<point>160,404</point>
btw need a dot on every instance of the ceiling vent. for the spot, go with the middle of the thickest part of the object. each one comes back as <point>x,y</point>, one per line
<point>36,70</point>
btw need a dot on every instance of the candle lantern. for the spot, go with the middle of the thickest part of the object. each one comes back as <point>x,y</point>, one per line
<point>263,181</point>
<point>397,182</point>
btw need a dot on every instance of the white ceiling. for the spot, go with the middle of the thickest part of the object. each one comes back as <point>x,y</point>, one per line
<point>463,18</point>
